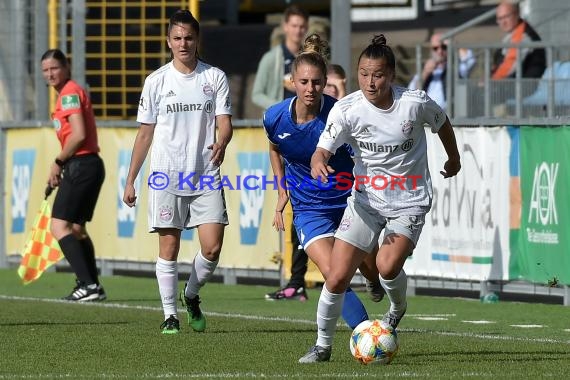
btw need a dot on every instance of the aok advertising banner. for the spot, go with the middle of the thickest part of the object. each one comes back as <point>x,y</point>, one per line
<point>540,250</point>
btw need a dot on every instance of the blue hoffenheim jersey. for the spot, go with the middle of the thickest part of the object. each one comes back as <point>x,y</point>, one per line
<point>297,143</point>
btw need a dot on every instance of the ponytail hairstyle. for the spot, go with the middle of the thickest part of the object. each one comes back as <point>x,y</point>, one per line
<point>315,52</point>
<point>379,49</point>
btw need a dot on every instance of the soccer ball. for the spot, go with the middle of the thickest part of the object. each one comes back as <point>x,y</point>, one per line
<point>374,342</point>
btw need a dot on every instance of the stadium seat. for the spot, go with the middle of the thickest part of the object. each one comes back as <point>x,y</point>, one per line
<point>561,88</point>
<point>536,103</point>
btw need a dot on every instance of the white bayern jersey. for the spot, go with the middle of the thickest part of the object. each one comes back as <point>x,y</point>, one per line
<point>390,150</point>
<point>183,108</point>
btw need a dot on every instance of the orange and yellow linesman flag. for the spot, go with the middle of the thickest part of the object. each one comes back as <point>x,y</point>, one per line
<point>42,249</point>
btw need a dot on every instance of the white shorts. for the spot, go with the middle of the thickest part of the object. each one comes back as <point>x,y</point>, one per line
<point>167,210</point>
<point>361,226</point>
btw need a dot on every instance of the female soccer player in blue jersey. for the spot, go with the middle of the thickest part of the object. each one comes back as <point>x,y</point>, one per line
<point>293,127</point>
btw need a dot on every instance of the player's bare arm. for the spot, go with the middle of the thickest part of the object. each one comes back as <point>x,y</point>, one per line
<point>140,150</point>
<point>278,168</point>
<point>453,164</point>
<point>225,133</point>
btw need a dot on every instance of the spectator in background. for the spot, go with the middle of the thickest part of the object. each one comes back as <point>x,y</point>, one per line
<point>518,30</point>
<point>273,78</point>
<point>434,73</point>
<point>79,173</point>
<point>336,81</point>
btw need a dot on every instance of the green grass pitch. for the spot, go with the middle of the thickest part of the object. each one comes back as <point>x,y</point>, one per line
<point>250,338</point>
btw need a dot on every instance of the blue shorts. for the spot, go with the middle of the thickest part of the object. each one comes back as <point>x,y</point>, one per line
<point>313,225</point>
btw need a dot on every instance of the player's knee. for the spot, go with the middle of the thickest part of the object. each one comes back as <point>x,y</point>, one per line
<point>212,252</point>
<point>325,270</point>
<point>60,228</point>
<point>79,232</point>
<point>389,272</point>
<point>337,284</point>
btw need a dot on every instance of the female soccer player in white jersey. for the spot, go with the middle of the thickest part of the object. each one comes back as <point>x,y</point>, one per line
<point>293,127</point>
<point>385,126</point>
<point>180,106</point>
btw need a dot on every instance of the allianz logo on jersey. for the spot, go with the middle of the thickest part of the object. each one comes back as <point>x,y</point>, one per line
<point>208,107</point>
<point>251,201</point>
<point>22,171</point>
<point>126,216</point>
<point>380,148</point>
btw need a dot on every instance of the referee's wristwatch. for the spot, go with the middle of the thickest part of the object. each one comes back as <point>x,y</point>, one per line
<point>59,162</point>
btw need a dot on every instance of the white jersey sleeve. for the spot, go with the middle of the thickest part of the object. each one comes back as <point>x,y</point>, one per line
<point>223,99</point>
<point>336,132</point>
<point>432,114</point>
<point>148,104</point>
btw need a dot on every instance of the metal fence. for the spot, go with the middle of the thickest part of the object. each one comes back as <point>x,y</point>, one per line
<point>125,41</point>
<point>480,100</point>
<point>112,45</point>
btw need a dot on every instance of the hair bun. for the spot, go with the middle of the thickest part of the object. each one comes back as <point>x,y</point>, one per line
<point>315,44</point>
<point>379,39</point>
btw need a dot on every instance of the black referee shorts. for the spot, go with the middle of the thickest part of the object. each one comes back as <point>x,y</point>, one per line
<point>79,189</point>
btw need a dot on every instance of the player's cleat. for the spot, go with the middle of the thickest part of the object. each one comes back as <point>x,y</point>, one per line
<point>317,354</point>
<point>375,290</point>
<point>288,293</point>
<point>392,319</point>
<point>170,326</point>
<point>102,294</point>
<point>83,293</point>
<point>196,318</point>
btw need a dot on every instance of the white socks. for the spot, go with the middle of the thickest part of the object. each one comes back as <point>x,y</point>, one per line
<point>396,291</point>
<point>167,276</point>
<point>201,271</point>
<point>328,311</point>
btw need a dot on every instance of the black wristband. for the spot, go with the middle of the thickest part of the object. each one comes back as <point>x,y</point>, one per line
<point>59,162</point>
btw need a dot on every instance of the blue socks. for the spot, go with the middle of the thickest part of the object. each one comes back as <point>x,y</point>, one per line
<point>353,310</point>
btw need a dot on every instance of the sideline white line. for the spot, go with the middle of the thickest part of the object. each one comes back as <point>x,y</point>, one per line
<point>170,375</point>
<point>490,337</point>
<point>154,308</point>
<point>431,318</point>
<point>282,319</point>
<point>482,322</point>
